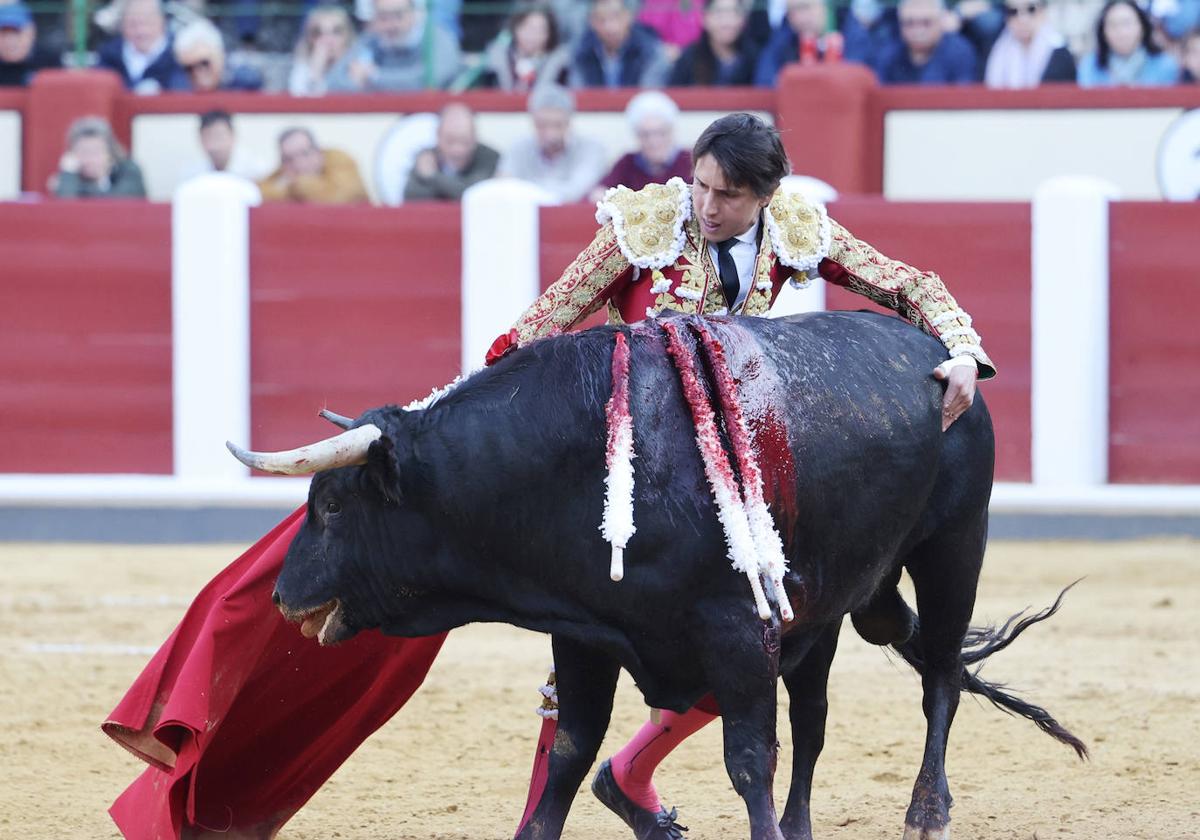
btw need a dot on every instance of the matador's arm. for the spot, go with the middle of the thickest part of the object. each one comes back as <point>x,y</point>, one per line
<point>919,296</point>
<point>589,281</point>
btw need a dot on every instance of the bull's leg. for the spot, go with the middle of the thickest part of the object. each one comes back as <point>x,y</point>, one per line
<point>586,681</point>
<point>742,664</point>
<point>806,681</point>
<point>945,571</point>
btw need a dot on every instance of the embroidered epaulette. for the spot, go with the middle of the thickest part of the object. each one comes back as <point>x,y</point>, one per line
<point>649,222</point>
<point>799,230</point>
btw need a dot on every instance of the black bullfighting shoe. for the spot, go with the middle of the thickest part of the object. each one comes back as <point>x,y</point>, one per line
<point>646,825</point>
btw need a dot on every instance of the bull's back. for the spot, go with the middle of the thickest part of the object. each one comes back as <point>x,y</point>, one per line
<point>854,397</point>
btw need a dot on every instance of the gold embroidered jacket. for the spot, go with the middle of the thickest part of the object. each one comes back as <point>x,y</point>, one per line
<point>649,258</point>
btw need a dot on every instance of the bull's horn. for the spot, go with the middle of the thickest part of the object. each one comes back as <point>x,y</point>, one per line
<point>337,419</point>
<point>340,451</point>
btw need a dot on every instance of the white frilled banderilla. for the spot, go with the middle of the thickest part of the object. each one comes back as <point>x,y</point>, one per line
<point>754,546</point>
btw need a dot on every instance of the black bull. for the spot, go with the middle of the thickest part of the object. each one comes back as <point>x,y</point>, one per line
<point>485,506</point>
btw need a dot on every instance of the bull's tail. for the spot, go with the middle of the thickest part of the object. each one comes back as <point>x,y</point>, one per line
<point>979,644</point>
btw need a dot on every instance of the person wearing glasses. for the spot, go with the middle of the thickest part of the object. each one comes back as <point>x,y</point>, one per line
<point>326,37</point>
<point>1029,52</point>
<point>928,54</point>
<point>200,53</point>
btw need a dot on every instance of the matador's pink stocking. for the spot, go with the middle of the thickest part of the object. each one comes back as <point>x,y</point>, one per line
<point>633,767</point>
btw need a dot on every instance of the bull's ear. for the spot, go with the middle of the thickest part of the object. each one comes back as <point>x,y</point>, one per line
<point>382,470</point>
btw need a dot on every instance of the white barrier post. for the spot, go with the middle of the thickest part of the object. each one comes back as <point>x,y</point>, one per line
<point>210,323</point>
<point>500,265</point>
<point>1070,331</point>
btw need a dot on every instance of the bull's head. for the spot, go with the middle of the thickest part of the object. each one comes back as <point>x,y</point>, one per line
<point>342,572</point>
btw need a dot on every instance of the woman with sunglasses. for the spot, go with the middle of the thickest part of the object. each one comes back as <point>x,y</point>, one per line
<point>1125,51</point>
<point>1029,52</point>
<point>325,38</point>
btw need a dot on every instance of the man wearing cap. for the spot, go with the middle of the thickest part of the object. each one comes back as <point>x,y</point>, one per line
<point>20,56</point>
<point>726,244</point>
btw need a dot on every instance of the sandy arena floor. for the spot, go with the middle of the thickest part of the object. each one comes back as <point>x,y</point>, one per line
<point>1120,666</point>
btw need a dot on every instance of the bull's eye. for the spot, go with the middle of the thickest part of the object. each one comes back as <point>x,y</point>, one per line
<point>333,506</point>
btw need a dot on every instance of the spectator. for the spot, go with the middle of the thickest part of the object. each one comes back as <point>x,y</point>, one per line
<point>801,37</point>
<point>724,54</point>
<point>979,21</point>
<point>222,152</point>
<point>617,51</point>
<point>1125,51</point>
<point>677,24</point>
<point>200,54</point>
<point>324,41</point>
<point>652,116</point>
<point>564,164</point>
<point>455,163</point>
<point>390,55</point>
<point>20,56</point>
<point>1028,51</point>
<point>1191,58</point>
<point>1180,18</point>
<point>141,54</point>
<point>95,165</point>
<point>928,55</point>
<point>532,53</point>
<point>869,30</point>
<point>308,174</point>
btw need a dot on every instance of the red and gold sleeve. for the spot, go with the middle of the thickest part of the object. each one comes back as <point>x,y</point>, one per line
<point>587,284</point>
<point>919,296</point>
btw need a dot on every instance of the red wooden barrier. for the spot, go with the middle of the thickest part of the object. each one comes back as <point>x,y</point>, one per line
<point>85,337</point>
<point>351,308</point>
<point>1154,398</point>
<point>982,251</point>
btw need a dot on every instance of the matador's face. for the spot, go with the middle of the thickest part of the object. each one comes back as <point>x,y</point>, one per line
<point>723,209</point>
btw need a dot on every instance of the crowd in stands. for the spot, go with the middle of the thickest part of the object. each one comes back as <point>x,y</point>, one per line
<point>547,49</point>
<point>565,164</point>
<point>400,45</point>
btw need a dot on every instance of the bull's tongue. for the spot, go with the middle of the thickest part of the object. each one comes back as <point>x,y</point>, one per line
<point>313,623</point>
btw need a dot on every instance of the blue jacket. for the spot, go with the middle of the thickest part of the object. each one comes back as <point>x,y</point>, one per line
<point>953,63</point>
<point>641,60</point>
<point>1159,70</point>
<point>162,70</point>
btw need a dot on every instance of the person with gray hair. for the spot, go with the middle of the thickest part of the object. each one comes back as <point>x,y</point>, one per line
<point>391,54</point>
<point>141,54</point>
<point>95,165</point>
<point>651,116</point>
<point>565,164</point>
<point>200,51</point>
<point>928,55</point>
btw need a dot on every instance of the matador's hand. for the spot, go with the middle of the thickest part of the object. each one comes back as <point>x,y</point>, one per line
<point>960,391</point>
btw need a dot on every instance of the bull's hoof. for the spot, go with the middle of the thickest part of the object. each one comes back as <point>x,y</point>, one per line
<point>912,832</point>
<point>646,825</point>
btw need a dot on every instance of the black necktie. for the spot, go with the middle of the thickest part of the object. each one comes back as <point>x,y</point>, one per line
<point>728,270</point>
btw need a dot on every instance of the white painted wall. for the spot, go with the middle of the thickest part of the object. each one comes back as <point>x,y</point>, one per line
<point>1004,155</point>
<point>10,155</point>
<point>165,144</point>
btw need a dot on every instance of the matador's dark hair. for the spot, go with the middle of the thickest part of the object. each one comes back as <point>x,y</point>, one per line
<point>748,151</point>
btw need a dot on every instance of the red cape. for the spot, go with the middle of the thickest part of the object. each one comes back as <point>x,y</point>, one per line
<point>240,718</point>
